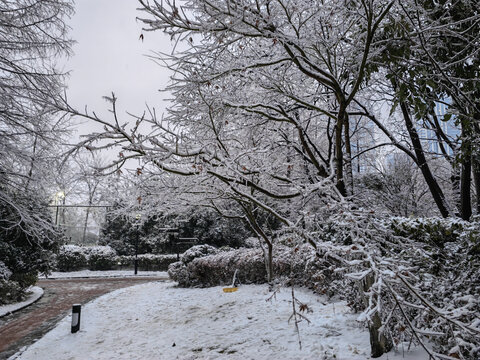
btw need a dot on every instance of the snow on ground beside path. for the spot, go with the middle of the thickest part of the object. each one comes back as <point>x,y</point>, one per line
<point>159,321</point>
<point>35,294</point>
<point>109,273</point>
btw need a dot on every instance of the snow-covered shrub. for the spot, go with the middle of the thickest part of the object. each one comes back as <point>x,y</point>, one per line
<point>13,285</point>
<point>152,262</point>
<point>179,273</point>
<point>71,258</point>
<point>197,251</point>
<point>147,262</point>
<point>25,280</point>
<point>297,266</point>
<point>301,266</point>
<point>10,291</point>
<point>251,242</point>
<point>124,261</point>
<point>27,242</point>
<point>211,270</point>
<point>413,281</point>
<point>218,269</point>
<point>5,272</point>
<point>432,231</point>
<point>101,257</point>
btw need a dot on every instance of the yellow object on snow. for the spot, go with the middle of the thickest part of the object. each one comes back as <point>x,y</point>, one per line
<point>234,287</point>
<point>230,289</point>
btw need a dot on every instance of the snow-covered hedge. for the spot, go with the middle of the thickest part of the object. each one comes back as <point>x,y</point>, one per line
<point>101,257</point>
<point>73,258</point>
<point>197,252</point>
<point>147,262</point>
<point>294,265</point>
<point>433,231</point>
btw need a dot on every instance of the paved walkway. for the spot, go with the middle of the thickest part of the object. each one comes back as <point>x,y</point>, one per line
<point>28,325</point>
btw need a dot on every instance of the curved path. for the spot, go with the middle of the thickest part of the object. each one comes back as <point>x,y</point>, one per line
<point>28,325</point>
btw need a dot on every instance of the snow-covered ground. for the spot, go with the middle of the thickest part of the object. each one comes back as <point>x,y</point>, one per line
<point>100,274</point>
<point>35,293</point>
<point>160,321</point>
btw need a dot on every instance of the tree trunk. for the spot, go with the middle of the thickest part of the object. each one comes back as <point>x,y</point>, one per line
<point>476,161</point>
<point>269,262</point>
<point>466,175</point>
<point>32,162</point>
<point>348,158</point>
<point>339,150</point>
<point>476,180</point>
<point>433,186</point>
<point>455,180</point>
<point>268,253</point>
<point>466,182</point>
<point>379,343</point>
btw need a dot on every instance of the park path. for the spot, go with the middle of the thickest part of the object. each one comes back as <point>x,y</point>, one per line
<point>26,326</point>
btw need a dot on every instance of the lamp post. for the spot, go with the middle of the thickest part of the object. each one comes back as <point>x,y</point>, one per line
<point>138,217</point>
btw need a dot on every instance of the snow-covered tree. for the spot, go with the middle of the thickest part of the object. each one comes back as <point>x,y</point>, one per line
<point>32,37</point>
<point>33,34</point>
<point>263,93</point>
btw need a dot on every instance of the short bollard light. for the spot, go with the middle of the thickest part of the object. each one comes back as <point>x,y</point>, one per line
<point>76,310</point>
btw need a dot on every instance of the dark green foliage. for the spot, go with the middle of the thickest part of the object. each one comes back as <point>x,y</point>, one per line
<point>26,249</point>
<point>213,229</point>
<point>10,291</point>
<point>120,232</point>
<point>147,262</point>
<point>24,279</point>
<point>432,231</point>
<point>23,254</point>
<point>71,258</point>
<point>102,262</point>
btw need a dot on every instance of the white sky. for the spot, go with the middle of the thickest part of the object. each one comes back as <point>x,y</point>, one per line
<point>109,56</point>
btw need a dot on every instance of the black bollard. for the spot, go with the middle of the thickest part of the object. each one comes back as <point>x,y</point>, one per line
<point>76,310</point>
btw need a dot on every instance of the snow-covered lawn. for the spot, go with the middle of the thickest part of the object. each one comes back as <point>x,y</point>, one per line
<point>159,321</point>
<point>100,274</point>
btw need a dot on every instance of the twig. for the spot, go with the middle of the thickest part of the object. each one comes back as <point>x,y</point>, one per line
<point>414,332</point>
<point>297,316</point>
<point>294,315</point>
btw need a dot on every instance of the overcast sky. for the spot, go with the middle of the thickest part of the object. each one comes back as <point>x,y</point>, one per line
<point>109,56</point>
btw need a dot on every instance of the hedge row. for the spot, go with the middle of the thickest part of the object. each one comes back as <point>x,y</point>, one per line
<point>73,258</point>
<point>203,267</point>
<point>435,231</point>
<point>297,265</point>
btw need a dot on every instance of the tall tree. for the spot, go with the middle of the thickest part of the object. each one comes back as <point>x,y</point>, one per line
<point>433,57</point>
<point>32,35</point>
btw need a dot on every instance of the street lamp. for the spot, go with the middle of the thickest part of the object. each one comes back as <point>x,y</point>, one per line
<point>137,217</point>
